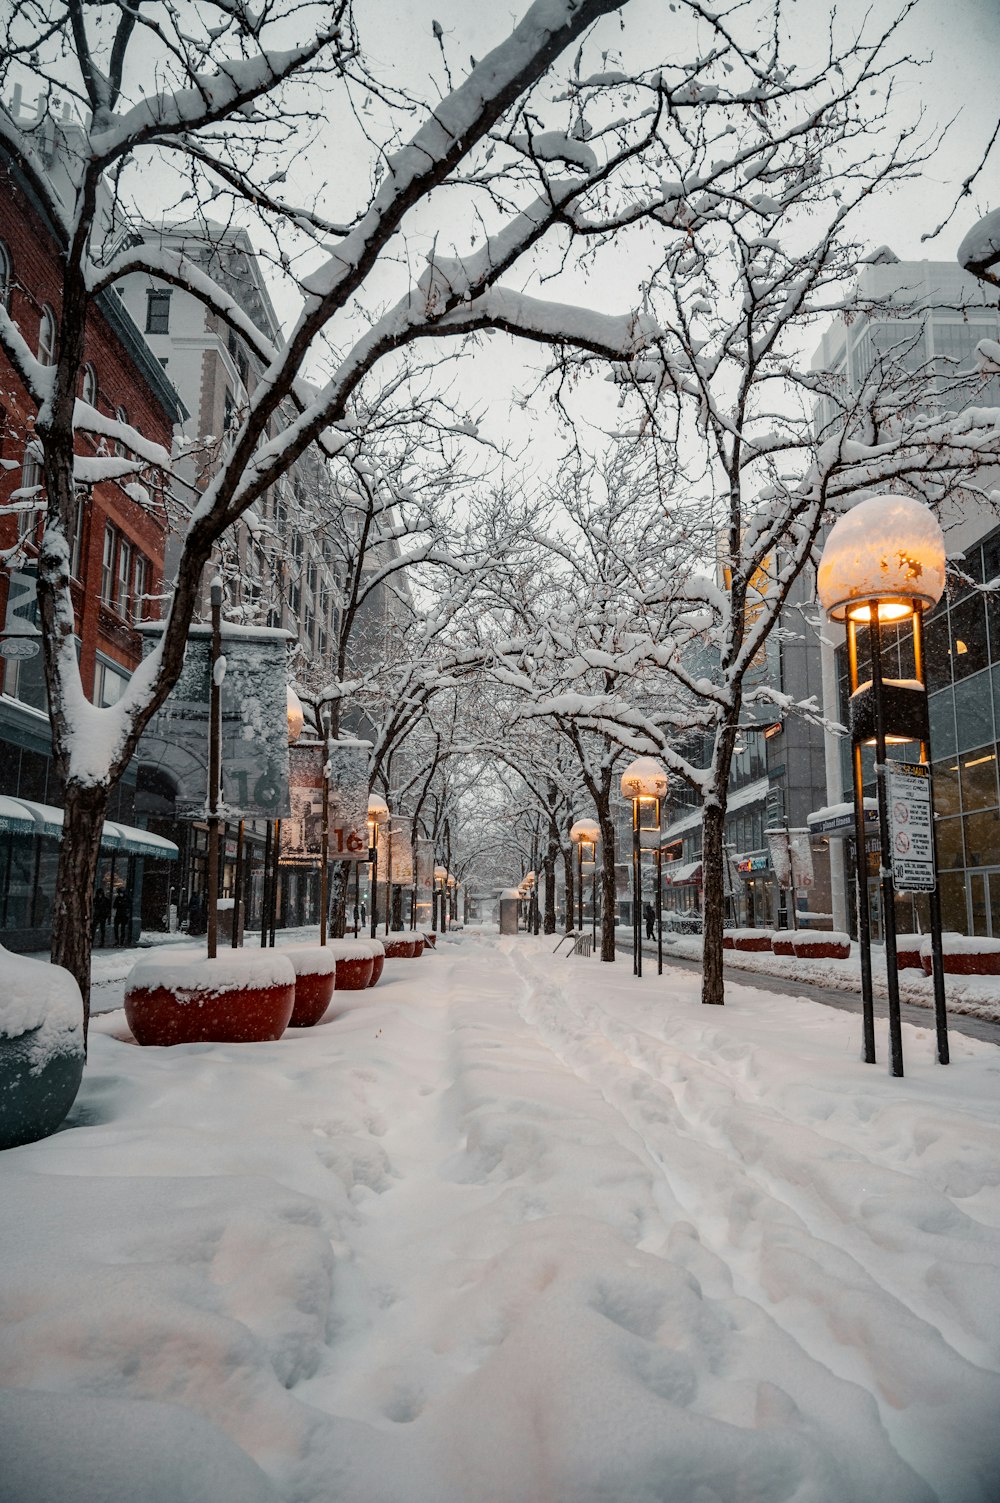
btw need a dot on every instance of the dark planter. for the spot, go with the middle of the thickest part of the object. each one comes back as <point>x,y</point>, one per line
<point>378,963</point>
<point>33,1100</point>
<point>188,999</point>
<point>41,1047</point>
<point>782,946</point>
<point>966,963</point>
<point>754,943</point>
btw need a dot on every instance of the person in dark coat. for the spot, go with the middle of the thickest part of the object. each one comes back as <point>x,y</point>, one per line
<point>123,916</point>
<point>194,914</point>
<point>102,912</point>
<point>650,917</point>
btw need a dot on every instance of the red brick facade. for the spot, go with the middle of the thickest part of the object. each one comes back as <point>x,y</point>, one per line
<point>106,600</point>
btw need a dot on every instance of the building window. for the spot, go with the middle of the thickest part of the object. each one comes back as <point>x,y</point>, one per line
<point>76,552</point>
<point>121,416</point>
<point>158,311</point>
<point>140,587</point>
<point>110,683</point>
<point>108,564</point>
<point>47,337</point>
<point>88,385</point>
<point>6,276</point>
<point>228,410</point>
<point>123,585</point>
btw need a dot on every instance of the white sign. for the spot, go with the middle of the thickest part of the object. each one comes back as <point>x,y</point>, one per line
<point>911,833</point>
<point>801,856</point>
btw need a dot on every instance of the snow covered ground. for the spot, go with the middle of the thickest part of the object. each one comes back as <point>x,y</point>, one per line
<point>515,1229</point>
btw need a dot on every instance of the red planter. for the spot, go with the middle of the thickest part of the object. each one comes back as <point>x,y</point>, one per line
<point>754,943</point>
<point>782,946</point>
<point>727,942</point>
<point>174,1000</point>
<point>418,946</point>
<point>966,963</point>
<point>822,947</point>
<point>354,973</point>
<point>378,965</point>
<point>312,998</point>
<point>398,949</point>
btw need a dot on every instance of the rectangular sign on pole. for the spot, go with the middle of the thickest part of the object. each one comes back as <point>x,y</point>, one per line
<point>777,845</point>
<point>801,857</point>
<point>302,831</point>
<point>348,770</point>
<point>908,793</point>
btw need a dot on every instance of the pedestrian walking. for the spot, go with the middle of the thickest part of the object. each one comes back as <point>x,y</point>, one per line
<point>123,916</point>
<point>194,914</point>
<point>650,917</point>
<point>102,912</point>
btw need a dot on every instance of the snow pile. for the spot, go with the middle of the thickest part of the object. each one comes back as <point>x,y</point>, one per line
<point>187,972</point>
<point>521,1230</point>
<point>41,999</point>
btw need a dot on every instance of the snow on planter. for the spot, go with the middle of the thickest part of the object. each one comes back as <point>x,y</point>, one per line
<point>242,996</point>
<point>823,944</point>
<point>41,1047</point>
<point>315,976</point>
<point>964,955</point>
<point>355,963</point>
<point>751,939</point>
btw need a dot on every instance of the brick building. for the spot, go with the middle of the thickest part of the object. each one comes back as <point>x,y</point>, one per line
<point>117,564</point>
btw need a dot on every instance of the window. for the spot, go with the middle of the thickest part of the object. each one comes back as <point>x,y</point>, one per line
<point>76,552</point>
<point>108,564</point>
<point>158,311</point>
<point>47,337</point>
<point>109,683</point>
<point>88,385</point>
<point>6,276</point>
<point>140,587</point>
<point>228,410</point>
<point>122,417</point>
<point>123,585</point>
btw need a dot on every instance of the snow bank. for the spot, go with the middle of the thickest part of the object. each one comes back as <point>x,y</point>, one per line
<point>70,1448</point>
<point>188,972</point>
<point>39,998</point>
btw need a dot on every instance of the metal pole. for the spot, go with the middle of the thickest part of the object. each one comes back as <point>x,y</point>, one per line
<point>888,890</point>
<point>324,869</point>
<point>357,896</point>
<point>579,886</point>
<point>374,893</point>
<point>937,952</point>
<point>861,863</point>
<point>636,892</point>
<point>265,893</point>
<point>276,859</point>
<point>388,873</point>
<point>659,911</point>
<point>593,905</point>
<point>238,885</point>
<point>214,770</point>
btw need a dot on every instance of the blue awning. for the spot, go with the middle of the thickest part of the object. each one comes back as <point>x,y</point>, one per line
<point>22,816</point>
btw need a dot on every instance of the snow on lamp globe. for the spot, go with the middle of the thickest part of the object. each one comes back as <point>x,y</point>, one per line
<point>584,834</point>
<point>645,782</point>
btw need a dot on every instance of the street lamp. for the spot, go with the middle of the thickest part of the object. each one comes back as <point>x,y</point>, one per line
<point>584,834</point>
<point>645,782</point>
<point>884,562</point>
<point>440,879</point>
<point>378,814</point>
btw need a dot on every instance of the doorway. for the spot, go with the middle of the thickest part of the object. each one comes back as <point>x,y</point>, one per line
<point>983,892</point>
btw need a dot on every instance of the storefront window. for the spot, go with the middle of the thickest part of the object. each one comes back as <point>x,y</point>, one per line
<point>951,851</point>
<point>954,910</point>
<point>974,711</point>
<point>946,798</point>
<point>969,646</point>
<point>937,662</point>
<point>942,715</point>
<point>979,779</point>
<point>982,832</point>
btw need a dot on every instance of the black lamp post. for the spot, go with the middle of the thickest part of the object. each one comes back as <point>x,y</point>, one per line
<point>378,813</point>
<point>884,563</point>
<point>645,783</point>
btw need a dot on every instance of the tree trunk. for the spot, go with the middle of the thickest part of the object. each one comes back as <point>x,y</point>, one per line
<point>569,886</point>
<point>549,866</point>
<point>342,871</point>
<point>714,897</point>
<point>609,892</point>
<point>84,809</point>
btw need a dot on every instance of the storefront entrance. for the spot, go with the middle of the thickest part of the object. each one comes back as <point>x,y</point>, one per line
<point>983,892</point>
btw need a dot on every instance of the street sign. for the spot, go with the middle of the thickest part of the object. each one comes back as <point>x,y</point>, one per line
<point>911,833</point>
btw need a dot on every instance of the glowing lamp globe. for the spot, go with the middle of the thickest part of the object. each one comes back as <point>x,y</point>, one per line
<point>887,551</point>
<point>378,809</point>
<point>585,830</point>
<point>644,778</point>
<point>296,715</point>
<point>441,874</point>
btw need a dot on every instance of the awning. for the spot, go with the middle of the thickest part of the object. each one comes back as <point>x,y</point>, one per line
<point>676,873</point>
<point>22,816</point>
